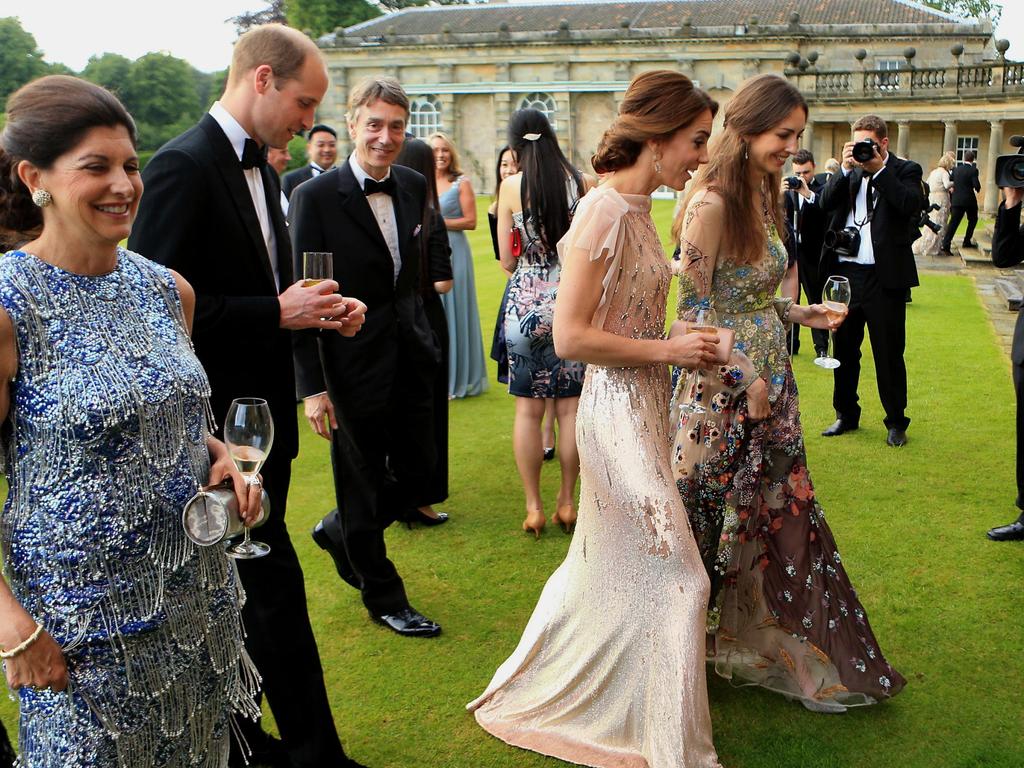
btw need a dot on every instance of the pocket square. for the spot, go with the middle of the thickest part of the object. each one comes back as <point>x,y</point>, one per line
<point>417,230</point>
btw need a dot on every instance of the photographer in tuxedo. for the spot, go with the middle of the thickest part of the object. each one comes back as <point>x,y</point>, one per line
<point>1008,251</point>
<point>806,224</point>
<point>372,395</point>
<point>211,212</point>
<point>873,206</point>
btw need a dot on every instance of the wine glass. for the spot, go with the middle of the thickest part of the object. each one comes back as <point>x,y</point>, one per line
<point>248,434</point>
<point>317,266</point>
<point>701,319</point>
<point>836,298</point>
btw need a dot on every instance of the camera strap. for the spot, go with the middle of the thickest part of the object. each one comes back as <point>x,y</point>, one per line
<point>869,202</point>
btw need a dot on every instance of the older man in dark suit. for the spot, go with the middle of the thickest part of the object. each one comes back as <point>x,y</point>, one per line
<point>966,187</point>
<point>211,211</point>
<point>371,396</point>
<point>880,198</point>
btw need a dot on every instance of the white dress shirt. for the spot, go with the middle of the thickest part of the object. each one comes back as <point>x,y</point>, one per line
<point>236,135</point>
<point>383,208</point>
<point>859,212</point>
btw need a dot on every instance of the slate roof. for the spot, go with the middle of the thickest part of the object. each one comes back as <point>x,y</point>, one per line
<point>645,14</point>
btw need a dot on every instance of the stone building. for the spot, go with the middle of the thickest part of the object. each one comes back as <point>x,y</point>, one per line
<point>941,82</point>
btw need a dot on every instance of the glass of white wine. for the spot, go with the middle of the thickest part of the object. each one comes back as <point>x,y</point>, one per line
<point>836,298</point>
<point>249,435</point>
<point>317,266</point>
<point>701,319</point>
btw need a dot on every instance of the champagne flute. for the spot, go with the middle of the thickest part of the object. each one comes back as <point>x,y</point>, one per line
<point>317,266</point>
<point>249,435</point>
<point>701,319</point>
<point>836,298</point>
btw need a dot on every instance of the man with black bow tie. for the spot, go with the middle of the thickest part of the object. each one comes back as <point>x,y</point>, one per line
<point>881,200</point>
<point>321,150</point>
<point>806,224</point>
<point>211,211</point>
<point>371,395</point>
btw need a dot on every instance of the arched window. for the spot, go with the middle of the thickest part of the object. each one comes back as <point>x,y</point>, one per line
<point>543,102</point>
<point>424,116</point>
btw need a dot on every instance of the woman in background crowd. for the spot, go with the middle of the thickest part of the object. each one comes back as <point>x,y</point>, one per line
<point>121,638</point>
<point>535,206</point>
<point>940,184</point>
<point>467,370</point>
<point>436,280</point>
<point>783,613</point>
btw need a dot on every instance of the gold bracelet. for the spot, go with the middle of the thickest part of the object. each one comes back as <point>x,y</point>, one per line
<point>23,646</point>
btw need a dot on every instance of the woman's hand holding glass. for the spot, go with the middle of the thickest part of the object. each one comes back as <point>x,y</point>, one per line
<point>691,350</point>
<point>222,467</point>
<point>835,303</point>
<point>249,435</point>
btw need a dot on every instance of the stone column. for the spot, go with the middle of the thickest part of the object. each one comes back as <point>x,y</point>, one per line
<point>903,139</point>
<point>995,146</point>
<point>949,137</point>
<point>563,121</point>
<point>808,141</point>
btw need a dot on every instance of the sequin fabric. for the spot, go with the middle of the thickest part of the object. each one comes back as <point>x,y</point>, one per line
<point>105,441</point>
<point>610,669</point>
<point>783,611</point>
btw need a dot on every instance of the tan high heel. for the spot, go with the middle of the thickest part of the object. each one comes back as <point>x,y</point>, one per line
<point>565,516</point>
<point>534,522</point>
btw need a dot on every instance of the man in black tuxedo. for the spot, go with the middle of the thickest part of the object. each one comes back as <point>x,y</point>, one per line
<point>1008,251</point>
<point>806,224</point>
<point>211,212</point>
<point>965,201</point>
<point>881,200</point>
<point>321,150</point>
<point>371,396</point>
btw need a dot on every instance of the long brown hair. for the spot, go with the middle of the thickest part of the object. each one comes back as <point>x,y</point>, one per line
<point>656,105</point>
<point>760,104</point>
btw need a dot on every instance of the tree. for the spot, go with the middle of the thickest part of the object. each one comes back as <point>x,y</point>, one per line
<point>973,8</point>
<point>163,95</point>
<point>111,70</point>
<point>322,16</point>
<point>273,14</point>
<point>20,59</point>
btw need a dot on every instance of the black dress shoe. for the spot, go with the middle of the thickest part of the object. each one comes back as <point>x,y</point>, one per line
<point>897,438</point>
<point>269,752</point>
<point>341,563</point>
<point>415,516</point>
<point>946,252</point>
<point>1012,532</point>
<point>408,622</point>
<point>838,427</point>
<point>970,245</point>
<point>549,454</point>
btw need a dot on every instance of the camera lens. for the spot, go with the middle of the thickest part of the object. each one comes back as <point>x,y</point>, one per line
<point>793,182</point>
<point>1017,170</point>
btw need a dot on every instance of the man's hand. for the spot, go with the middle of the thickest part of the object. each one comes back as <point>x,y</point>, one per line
<point>354,317</point>
<point>848,162</point>
<point>320,412</point>
<point>1012,197</point>
<point>315,306</point>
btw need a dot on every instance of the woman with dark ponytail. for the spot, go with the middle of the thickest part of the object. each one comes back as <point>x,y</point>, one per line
<point>534,207</point>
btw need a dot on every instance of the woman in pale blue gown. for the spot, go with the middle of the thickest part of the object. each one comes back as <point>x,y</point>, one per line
<point>467,369</point>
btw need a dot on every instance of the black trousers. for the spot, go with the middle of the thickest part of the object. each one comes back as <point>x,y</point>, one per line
<point>280,639</point>
<point>1018,388</point>
<point>956,216</point>
<point>812,292</point>
<point>884,312</point>
<point>382,461</point>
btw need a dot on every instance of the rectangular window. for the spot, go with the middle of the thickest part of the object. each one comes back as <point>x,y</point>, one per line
<point>888,77</point>
<point>964,143</point>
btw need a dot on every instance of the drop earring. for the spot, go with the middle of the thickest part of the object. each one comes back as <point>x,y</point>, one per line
<point>657,164</point>
<point>42,198</point>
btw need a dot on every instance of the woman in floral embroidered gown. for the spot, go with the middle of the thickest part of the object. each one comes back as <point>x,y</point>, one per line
<point>782,612</point>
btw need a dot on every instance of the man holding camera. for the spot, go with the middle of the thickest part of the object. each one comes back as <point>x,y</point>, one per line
<point>873,207</point>
<point>806,224</point>
<point>1008,251</point>
<point>966,186</point>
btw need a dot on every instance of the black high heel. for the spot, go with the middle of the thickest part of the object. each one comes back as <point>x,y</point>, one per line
<point>415,516</point>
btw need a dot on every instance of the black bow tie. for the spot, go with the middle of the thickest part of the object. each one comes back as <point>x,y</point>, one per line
<point>253,156</point>
<point>372,187</point>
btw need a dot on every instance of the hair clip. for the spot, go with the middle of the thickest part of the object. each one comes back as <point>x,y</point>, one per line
<point>531,136</point>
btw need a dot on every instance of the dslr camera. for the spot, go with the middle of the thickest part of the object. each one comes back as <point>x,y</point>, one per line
<point>864,150</point>
<point>925,220</point>
<point>1010,168</point>
<point>794,182</point>
<point>845,242</point>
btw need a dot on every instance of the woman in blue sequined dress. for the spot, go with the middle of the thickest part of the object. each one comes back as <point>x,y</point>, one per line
<point>123,639</point>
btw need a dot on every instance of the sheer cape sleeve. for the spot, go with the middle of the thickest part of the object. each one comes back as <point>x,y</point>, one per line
<point>597,231</point>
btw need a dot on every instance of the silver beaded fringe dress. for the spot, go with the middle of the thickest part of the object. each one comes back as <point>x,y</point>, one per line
<point>609,671</point>
<point>104,443</point>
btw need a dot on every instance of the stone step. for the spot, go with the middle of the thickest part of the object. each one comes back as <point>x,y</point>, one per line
<point>1011,290</point>
<point>974,256</point>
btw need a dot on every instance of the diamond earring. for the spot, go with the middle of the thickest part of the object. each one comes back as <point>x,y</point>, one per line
<point>42,198</point>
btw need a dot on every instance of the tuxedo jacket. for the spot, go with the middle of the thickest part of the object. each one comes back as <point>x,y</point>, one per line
<point>1008,251</point>
<point>292,179</point>
<point>197,217</point>
<point>898,202</point>
<point>965,185</point>
<point>395,345</point>
<point>810,223</point>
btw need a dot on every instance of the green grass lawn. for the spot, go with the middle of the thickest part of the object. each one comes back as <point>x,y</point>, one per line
<point>910,524</point>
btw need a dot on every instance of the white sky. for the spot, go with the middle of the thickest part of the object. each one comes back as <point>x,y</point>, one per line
<point>70,31</point>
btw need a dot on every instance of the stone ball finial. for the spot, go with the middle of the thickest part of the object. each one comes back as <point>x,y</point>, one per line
<point>957,50</point>
<point>1002,45</point>
<point>753,21</point>
<point>446,29</point>
<point>860,55</point>
<point>813,57</point>
<point>624,23</point>
<point>909,52</point>
<point>793,58</point>
<point>563,24</point>
<point>804,64</point>
<point>794,18</point>
<point>503,26</point>
<point>687,20</point>
<point>339,31</point>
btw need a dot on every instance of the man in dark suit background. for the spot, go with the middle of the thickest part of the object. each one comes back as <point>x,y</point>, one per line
<point>881,199</point>
<point>1008,251</point>
<point>806,224</point>
<point>371,396</point>
<point>321,150</point>
<point>964,202</point>
<point>211,212</point>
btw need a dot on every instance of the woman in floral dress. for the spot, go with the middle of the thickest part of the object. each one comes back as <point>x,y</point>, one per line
<point>782,614</point>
